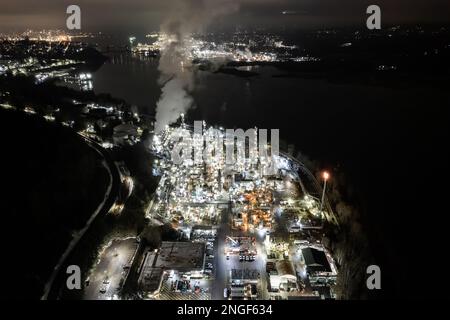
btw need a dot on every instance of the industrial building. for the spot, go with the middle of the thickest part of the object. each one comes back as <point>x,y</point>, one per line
<point>182,259</point>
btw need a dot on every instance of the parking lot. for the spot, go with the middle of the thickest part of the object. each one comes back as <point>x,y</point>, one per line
<point>108,275</point>
<point>178,287</point>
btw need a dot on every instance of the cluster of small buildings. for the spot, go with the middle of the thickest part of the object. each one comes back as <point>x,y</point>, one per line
<point>241,47</point>
<point>108,123</point>
<point>306,270</point>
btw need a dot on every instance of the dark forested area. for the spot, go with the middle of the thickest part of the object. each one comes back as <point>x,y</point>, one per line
<point>52,183</point>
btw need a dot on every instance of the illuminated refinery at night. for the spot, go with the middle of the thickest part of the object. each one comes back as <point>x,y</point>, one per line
<point>215,156</point>
<point>263,234</point>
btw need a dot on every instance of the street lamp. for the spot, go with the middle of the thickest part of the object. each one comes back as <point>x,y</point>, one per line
<point>132,39</point>
<point>325,176</point>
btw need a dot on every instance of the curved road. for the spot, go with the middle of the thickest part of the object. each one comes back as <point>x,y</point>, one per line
<point>56,279</point>
<point>331,217</point>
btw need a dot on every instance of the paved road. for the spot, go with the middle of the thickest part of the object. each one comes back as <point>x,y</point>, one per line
<point>221,263</point>
<point>112,268</point>
<point>331,217</point>
<point>223,266</point>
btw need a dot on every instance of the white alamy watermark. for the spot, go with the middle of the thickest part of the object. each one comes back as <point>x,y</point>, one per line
<point>73,21</point>
<point>227,146</point>
<point>374,280</point>
<point>374,20</point>
<point>74,279</point>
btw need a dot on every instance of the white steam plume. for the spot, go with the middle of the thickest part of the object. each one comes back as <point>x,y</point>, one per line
<point>176,74</point>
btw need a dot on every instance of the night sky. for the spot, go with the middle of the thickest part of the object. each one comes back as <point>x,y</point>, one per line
<point>146,15</point>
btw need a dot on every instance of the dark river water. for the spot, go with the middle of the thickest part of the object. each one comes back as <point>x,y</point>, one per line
<point>388,142</point>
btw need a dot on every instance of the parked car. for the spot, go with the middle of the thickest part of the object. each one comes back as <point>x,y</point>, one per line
<point>104,287</point>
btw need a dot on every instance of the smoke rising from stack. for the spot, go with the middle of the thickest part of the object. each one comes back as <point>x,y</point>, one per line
<point>176,73</point>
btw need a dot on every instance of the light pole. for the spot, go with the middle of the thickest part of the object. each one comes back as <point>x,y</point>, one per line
<point>325,176</point>
<point>132,39</point>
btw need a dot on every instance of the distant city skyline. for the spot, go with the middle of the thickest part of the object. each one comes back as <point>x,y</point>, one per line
<point>144,16</point>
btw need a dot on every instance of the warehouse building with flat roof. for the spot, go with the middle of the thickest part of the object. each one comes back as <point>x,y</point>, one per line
<point>187,259</point>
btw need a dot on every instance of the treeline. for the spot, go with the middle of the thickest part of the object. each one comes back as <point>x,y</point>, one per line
<point>349,242</point>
